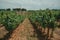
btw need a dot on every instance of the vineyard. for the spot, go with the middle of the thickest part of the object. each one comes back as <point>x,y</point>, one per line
<point>41,24</point>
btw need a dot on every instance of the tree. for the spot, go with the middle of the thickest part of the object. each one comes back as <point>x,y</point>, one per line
<point>17,9</point>
<point>8,9</point>
<point>23,9</point>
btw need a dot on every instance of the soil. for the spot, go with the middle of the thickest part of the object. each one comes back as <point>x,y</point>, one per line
<point>24,31</point>
<point>3,32</point>
<point>57,34</point>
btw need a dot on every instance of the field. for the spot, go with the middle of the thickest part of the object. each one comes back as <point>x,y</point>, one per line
<point>30,25</point>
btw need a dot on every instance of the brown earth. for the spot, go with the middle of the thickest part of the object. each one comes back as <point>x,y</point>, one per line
<point>25,31</point>
<point>56,34</point>
<point>3,31</point>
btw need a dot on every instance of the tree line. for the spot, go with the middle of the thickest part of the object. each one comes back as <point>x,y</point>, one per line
<point>14,9</point>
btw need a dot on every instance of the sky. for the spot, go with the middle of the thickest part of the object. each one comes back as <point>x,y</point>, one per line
<point>30,4</point>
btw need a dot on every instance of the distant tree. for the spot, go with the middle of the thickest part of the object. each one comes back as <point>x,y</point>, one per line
<point>16,9</point>
<point>8,9</point>
<point>23,9</point>
<point>47,8</point>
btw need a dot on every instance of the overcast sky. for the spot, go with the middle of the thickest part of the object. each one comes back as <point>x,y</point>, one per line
<point>30,4</point>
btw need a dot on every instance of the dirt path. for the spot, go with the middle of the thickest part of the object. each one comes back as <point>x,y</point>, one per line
<point>25,31</point>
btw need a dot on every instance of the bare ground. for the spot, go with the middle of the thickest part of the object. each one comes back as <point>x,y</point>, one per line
<point>57,34</point>
<point>25,31</point>
<point>3,32</point>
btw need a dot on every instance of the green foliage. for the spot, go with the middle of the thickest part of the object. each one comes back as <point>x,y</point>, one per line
<point>46,18</point>
<point>10,20</point>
